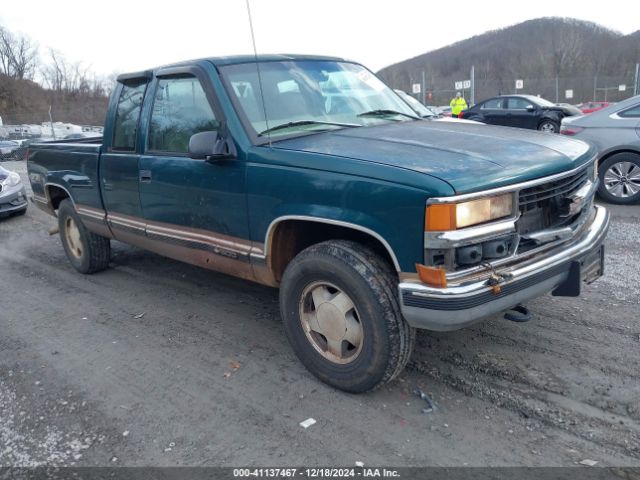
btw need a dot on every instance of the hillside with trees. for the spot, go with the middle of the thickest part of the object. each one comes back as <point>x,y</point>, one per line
<point>35,83</point>
<point>579,54</point>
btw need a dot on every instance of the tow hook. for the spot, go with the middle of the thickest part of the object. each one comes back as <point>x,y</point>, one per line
<point>495,278</point>
<point>518,314</point>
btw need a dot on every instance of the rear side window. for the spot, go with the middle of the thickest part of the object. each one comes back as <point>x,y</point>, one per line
<point>495,103</point>
<point>180,110</point>
<point>127,116</point>
<point>519,104</point>
<point>633,112</point>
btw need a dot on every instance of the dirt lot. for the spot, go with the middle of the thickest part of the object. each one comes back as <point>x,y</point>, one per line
<point>153,362</point>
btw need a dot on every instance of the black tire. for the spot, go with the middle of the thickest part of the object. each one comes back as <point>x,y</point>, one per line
<point>93,251</point>
<point>610,163</point>
<point>550,126</point>
<point>387,339</point>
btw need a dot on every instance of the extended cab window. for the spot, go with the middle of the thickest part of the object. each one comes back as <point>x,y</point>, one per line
<point>127,115</point>
<point>180,109</point>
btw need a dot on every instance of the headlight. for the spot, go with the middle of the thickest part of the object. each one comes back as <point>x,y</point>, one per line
<point>11,181</point>
<point>451,216</point>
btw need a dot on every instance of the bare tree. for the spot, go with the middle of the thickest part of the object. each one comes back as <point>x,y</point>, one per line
<point>18,55</point>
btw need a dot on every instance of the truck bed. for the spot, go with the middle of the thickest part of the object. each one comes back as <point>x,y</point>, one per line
<point>71,166</point>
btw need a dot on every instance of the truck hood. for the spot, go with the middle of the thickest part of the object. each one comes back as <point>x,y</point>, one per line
<point>469,157</point>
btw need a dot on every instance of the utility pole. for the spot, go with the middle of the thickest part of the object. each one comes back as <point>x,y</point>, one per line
<point>636,87</point>
<point>53,132</point>
<point>424,88</point>
<point>595,86</point>
<point>557,93</point>
<point>472,94</point>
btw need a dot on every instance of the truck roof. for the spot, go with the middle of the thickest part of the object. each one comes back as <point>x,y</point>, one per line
<point>231,60</point>
<point>235,59</point>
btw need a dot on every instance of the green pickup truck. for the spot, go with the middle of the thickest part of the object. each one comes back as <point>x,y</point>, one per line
<point>311,175</point>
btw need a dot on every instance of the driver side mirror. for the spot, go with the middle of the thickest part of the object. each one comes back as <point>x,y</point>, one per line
<point>530,108</point>
<point>211,146</point>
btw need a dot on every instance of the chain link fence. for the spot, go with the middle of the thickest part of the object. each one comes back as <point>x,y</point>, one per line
<point>573,90</point>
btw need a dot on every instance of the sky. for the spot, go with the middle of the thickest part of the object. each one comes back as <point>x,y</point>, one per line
<point>119,36</point>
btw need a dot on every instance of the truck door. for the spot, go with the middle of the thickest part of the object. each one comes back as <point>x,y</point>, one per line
<point>195,209</point>
<point>119,170</point>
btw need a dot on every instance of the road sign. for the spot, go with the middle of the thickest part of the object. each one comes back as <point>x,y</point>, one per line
<point>519,84</point>
<point>568,94</point>
<point>415,88</point>
<point>622,88</point>
<point>466,84</point>
<point>458,85</point>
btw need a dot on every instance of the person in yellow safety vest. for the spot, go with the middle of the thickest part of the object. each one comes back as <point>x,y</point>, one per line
<point>457,105</point>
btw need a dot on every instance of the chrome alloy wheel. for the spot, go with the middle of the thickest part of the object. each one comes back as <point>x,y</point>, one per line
<point>331,322</point>
<point>72,235</point>
<point>622,179</point>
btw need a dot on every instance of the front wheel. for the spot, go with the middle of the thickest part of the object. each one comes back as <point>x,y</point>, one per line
<point>549,126</point>
<point>87,251</point>
<point>620,179</point>
<point>341,315</point>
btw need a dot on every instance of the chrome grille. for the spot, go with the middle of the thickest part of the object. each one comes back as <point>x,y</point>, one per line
<point>562,188</point>
<point>546,205</point>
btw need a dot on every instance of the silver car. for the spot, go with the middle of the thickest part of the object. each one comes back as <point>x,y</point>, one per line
<point>13,197</point>
<point>615,131</point>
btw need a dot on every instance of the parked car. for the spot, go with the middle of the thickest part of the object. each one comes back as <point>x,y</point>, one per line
<point>590,107</point>
<point>371,221</point>
<point>570,110</point>
<point>7,149</point>
<point>428,112</point>
<point>524,111</point>
<point>615,131</point>
<point>13,197</point>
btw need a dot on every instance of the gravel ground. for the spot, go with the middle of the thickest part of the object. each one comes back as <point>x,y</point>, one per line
<point>154,362</point>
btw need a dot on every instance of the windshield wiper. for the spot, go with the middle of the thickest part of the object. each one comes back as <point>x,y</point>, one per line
<point>385,113</point>
<point>298,123</point>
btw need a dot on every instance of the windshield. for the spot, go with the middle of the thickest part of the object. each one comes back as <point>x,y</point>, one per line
<point>311,96</point>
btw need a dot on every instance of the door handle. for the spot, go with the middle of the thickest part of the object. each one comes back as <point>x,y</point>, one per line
<point>145,176</point>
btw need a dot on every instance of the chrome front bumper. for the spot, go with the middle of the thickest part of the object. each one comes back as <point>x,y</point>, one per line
<point>455,307</point>
<point>13,200</point>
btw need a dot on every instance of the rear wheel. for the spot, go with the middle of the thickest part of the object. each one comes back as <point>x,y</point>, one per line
<point>549,126</point>
<point>620,178</point>
<point>87,251</point>
<point>341,315</point>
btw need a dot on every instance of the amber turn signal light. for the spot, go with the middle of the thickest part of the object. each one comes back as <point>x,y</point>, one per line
<point>434,277</point>
<point>440,217</point>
